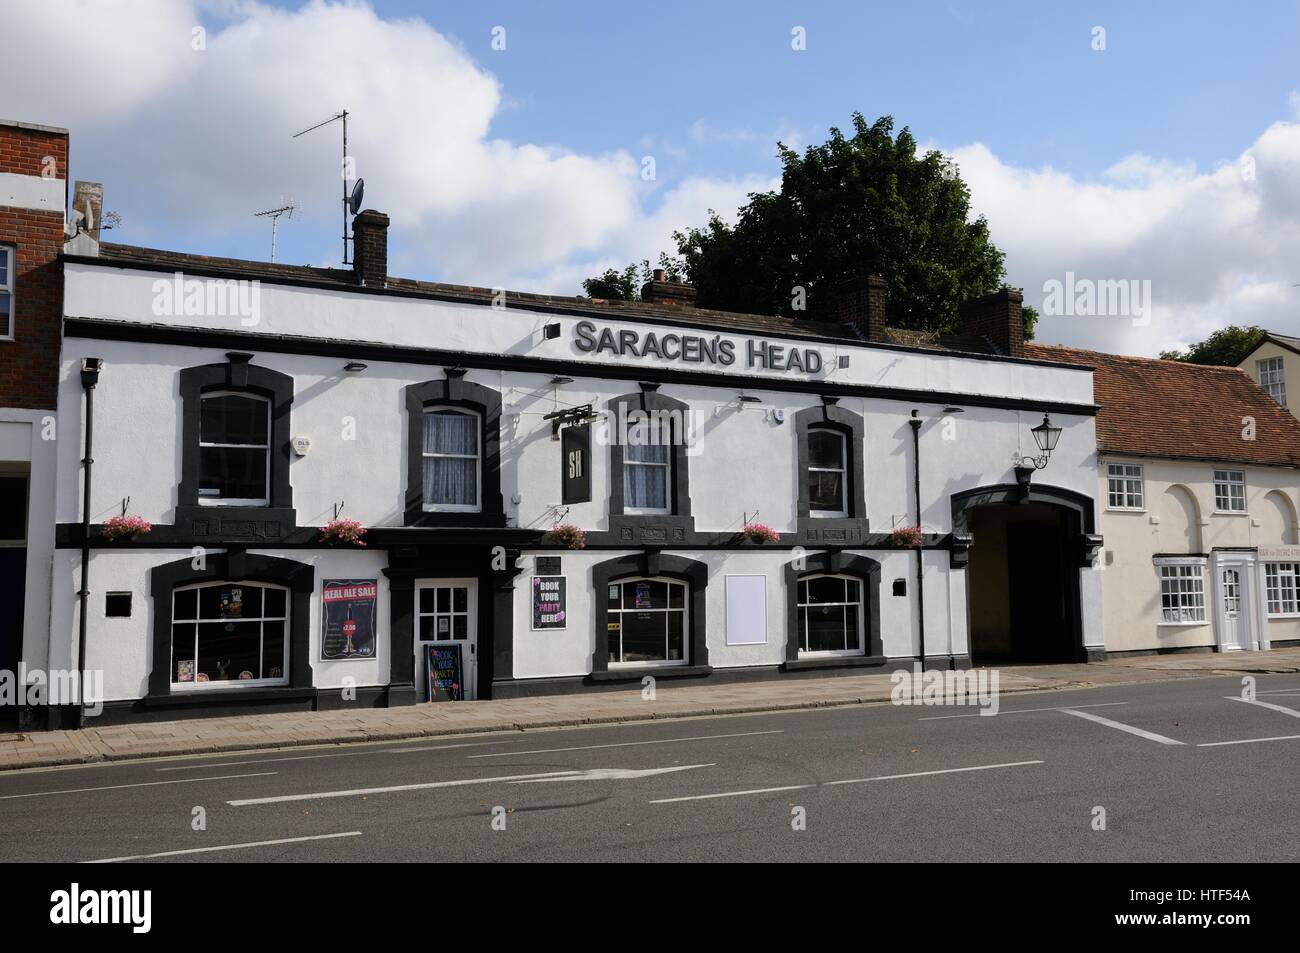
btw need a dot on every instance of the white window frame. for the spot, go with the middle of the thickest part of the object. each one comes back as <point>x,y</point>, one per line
<point>685,610</point>
<point>842,470</point>
<point>803,635</point>
<point>1271,372</point>
<point>1190,598</point>
<point>234,683</point>
<point>1127,476</point>
<point>653,426</point>
<point>231,500</point>
<point>1282,588</point>
<point>1225,482</point>
<point>476,457</point>
<point>7,330</point>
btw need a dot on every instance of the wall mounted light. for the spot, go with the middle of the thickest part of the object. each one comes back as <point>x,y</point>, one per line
<point>842,362</point>
<point>557,381</point>
<point>1045,437</point>
<point>950,410</point>
<point>550,331</point>
<point>354,367</point>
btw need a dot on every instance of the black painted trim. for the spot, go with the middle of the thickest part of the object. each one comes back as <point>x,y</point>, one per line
<point>454,391</point>
<point>651,564</point>
<point>1081,505</point>
<point>99,329</point>
<point>219,524</point>
<point>657,529</point>
<point>863,568</point>
<point>233,566</point>
<point>851,530</point>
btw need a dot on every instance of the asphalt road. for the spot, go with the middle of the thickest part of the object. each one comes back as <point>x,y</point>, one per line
<point>1183,773</point>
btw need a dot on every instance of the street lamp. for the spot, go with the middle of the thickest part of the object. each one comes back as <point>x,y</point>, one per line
<point>1046,437</point>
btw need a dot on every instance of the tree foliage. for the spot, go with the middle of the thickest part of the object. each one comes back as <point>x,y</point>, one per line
<point>625,285</point>
<point>1226,346</point>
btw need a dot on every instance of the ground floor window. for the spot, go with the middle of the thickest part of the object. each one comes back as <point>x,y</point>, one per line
<point>829,614</point>
<point>1182,591</point>
<point>647,622</point>
<point>1280,588</point>
<point>230,632</point>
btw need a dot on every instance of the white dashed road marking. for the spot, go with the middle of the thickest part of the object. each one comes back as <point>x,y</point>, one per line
<point>208,850</point>
<point>1141,733</point>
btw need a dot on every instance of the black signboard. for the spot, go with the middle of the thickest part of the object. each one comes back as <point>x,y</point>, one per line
<point>547,565</point>
<point>575,457</point>
<point>549,602</point>
<point>443,673</point>
<point>348,619</point>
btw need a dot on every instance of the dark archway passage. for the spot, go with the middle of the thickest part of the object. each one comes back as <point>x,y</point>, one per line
<point>1023,585</point>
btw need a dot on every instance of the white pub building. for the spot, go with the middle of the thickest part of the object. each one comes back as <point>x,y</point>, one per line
<point>239,407</point>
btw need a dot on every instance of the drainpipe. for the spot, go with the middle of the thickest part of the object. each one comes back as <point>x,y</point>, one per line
<point>915,422</point>
<point>90,368</point>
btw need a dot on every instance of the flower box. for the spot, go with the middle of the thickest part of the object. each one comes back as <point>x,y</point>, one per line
<point>566,535</point>
<point>343,532</point>
<point>125,527</point>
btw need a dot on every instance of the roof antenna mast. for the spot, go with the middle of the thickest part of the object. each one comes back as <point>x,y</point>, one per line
<point>274,214</point>
<point>349,199</point>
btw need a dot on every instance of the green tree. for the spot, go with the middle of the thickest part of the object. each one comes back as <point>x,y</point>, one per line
<point>855,206</point>
<point>1226,346</point>
<point>615,285</point>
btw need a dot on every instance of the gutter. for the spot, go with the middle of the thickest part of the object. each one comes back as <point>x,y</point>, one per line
<point>90,368</point>
<point>915,422</point>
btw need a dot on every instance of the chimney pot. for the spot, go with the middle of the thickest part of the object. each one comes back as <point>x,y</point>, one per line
<point>659,274</point>
<point>370,248</point>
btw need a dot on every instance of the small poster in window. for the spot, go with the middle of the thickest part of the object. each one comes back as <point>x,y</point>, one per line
<point>232,603</point>
<point>185,670</point>
<point>348,619</point>
<point>549,603</point>
<point>642,595</point>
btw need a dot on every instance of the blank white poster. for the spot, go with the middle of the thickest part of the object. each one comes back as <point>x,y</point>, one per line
<point>746,610</point>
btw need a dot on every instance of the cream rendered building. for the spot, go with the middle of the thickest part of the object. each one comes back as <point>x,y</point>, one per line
<point>1198,506</point>
<point>1274,364</point>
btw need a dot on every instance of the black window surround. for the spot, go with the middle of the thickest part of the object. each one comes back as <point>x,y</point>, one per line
<point>484,401</point>
<point>658,528</point>
<point>234,566</point>
<point>862,568</point>
<point>651,565</point>
<point>833,530</point>
<point>236,523</point>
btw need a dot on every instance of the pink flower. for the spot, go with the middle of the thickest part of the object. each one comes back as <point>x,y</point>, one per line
<point>907,535</point>
<point>567,535</point>
<point>761,533</point>
<point>343,531</point>
<point>125,527</point>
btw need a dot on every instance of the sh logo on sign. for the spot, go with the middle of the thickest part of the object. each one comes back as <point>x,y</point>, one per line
<point>76,906</point>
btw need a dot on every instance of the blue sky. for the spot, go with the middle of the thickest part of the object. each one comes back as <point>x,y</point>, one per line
<point>520,166</point>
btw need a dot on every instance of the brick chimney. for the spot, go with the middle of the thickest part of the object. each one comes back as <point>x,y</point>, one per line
<point>370,248</point>
<point>860,303</point>
<point>658,290</point>
<point>998,318</point>
<point>33,202</point>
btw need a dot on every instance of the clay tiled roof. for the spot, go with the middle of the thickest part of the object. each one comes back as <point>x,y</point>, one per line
<point>1176,410</point>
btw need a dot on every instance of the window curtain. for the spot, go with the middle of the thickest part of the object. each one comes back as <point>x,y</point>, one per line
<point>645,476</point>
<point>451,480</point>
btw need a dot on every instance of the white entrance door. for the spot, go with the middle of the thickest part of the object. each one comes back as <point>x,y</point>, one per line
<point>1236,604</point>
<point>446,611</point>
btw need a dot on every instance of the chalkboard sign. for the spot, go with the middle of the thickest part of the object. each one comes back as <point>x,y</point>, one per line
<point>575,458</point>
<point>549,602</point>
<point>443,673</point>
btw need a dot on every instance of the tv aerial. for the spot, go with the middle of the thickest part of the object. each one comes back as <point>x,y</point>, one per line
<point>274,214</point>
<point>352,199</point>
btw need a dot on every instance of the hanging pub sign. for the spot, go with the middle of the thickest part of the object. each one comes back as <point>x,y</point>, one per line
<point>443,673</point>
<point>549,603</point>
<point>575,452</point>
<point>348,619</point>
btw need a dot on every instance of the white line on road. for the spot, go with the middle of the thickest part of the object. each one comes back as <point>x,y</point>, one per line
<point>208,850</point>
<point>883,777</point>
<point>1141,733</point>
<point>624,744</point>
<point>1247,741</point>
<point>361,792</point>
<point>331,754</point>
<point>1252,701</point>
<point>142,784</point>
<point>1020,711</point>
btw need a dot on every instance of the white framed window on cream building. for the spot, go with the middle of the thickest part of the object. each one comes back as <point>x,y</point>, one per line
<point>1272,378</point>
<point>1124,487</point>
<point>1229,491</point>
<point>1182,589</point>
<point>1280,589</point>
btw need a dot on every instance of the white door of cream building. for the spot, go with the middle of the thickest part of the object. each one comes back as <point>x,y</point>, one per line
<point>1238,605</point>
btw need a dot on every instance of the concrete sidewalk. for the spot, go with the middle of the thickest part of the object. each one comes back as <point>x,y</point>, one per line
<point>251,732</point>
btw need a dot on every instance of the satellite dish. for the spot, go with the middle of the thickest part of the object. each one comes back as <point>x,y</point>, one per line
<point>358,192</point>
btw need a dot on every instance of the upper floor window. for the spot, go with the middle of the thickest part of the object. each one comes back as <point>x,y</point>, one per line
<point>827,463</point>
<point>234,449</point>
<point>1230,491</point>
<point>1124,490</point>
<point>451,460</point>
<point>647,467</point>
<point>1271,378</point>
<point>6,292</point>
